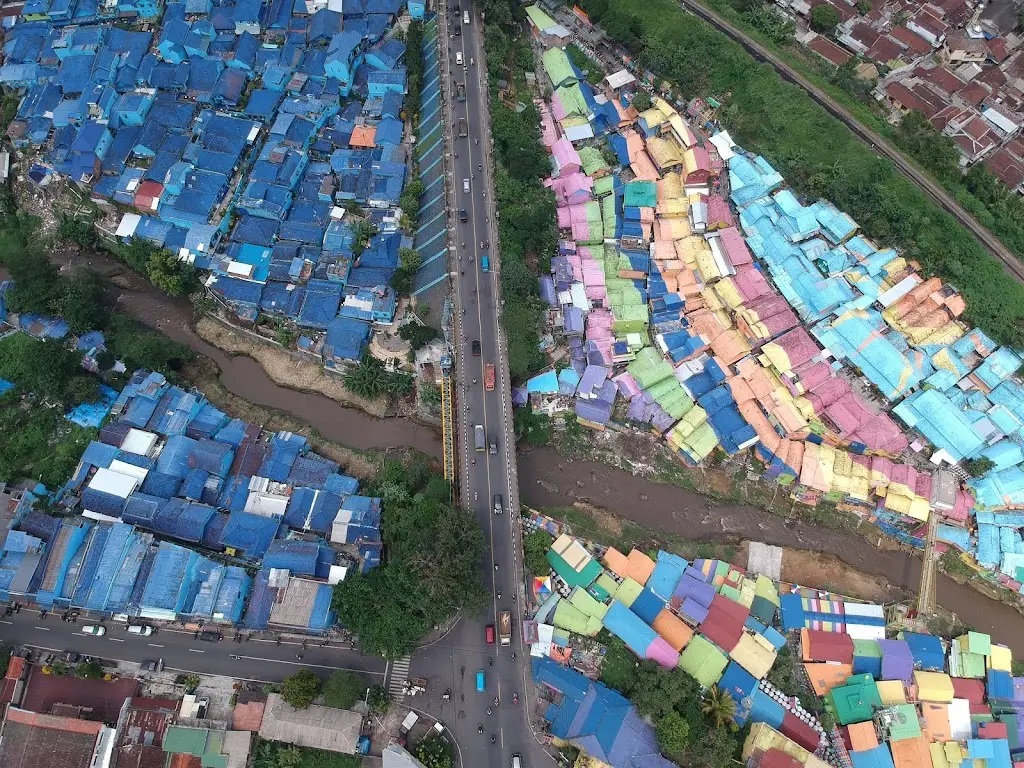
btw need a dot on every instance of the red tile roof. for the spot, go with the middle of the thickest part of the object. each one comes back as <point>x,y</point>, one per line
<point>828,646</point>
<point>1005,167</point>
<point>776,758</point>
<point>911,40</point>
<point>997,47</point>
<point>919,97</point>
<point>974,93</point>
<point>15,668</point>
<point>829,50</point>
<point>148,195</point>
<point>799,731</point>
<point>940,77</point>
<point>724,623</point>
<point>248,717</point>
<point>884,50</point>
<point>32,740</point>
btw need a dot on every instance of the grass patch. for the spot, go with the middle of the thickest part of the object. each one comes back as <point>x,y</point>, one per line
<point>590,68</point>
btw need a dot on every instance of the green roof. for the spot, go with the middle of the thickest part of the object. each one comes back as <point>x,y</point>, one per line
<point>605,586</point>
<point>867,649</point>
<point>540,19</point>
<point>186,741</point>
<point>572,99</point>
<point>556,64</point>
<point>628,592</point>
<point>703,661</point>
<point>641,193</point>
<point>604,186</point>
<point>583,578</point>
<point>569,617</point>
<point>585,602</point>
<point>972,665</point>
<point>979,642</point>
<point>903,722</point>
<point>856,701</point>
<point>592,160</point>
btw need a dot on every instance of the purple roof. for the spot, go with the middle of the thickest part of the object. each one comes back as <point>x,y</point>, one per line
<point>897,660</point>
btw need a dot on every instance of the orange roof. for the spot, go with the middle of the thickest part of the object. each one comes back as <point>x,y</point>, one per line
<point>825,677</point>
<point>53,722</point>
<point>15,668</point>
<point>672,629</point>
<point>911,753</point>
<point>862,736</point>
<point>936,721</point>
<point>363,136</point>
<point>616,562</point>
<point>248,717</point>
<point>640,567</point>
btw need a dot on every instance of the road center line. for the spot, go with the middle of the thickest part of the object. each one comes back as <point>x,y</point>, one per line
<point>195,650</point>
<point>117,639</point>
<point>43,629</point>
<point>154,645</point>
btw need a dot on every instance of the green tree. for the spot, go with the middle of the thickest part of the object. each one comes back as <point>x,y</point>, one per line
<point>824,18</point>
<point>409,259</point>
<point>379,699</point>
<point>673,733</point>
<point>300,689</point>
<point>170,274</point>
<point>289,757</point>
<point>418,335</point>
<point>978,467</point>
<point>535,545</point>
<point>90,670</point>
<point>433,753</point>
<point>641,101</point>
<point>83,303</point>
<point>343,689</point>
<point>863,7</point>
<point>47,369</point>
<point>438,489</point>
<point>5,658</point>
<point>719,707</point>
<point>77,231</point>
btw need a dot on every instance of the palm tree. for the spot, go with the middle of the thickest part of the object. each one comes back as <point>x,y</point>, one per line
<point>719,707</point>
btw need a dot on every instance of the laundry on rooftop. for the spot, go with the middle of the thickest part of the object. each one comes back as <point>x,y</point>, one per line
<point>301,100</point>
<point>696,296</point>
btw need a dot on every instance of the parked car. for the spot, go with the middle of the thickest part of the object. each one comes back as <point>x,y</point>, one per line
<point>140,629</point>
<point>94,630</point>
<point>458,58</point>
<point>211,637</point>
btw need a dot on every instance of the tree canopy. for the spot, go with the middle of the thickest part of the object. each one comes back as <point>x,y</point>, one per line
<point>344,688</point>
<point>431,571</point>
<point>535,545</point>
<point>300,689</point>
<point>824,18</point>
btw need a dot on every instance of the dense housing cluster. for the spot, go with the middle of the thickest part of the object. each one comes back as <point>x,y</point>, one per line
<point>910,701</point>
<point>697,296</point>
<point>176,502</point>
<point>263,142</point>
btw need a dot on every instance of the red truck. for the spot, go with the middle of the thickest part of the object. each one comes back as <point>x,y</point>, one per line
<point>489,377</point>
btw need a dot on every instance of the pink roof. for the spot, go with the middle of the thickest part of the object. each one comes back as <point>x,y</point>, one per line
<point>735,247</point>
<point>548,132</point>
<point>751,284</point>
<point>643,168</point>
<point>663,653</point>
<point>566,154</point>
<point>961,508</point>
<point>813,374</point>
<point>557,110</point>
<point>798,345</point>
<point>627,385</point>
<point>881,433</point>
<point>719,212</point>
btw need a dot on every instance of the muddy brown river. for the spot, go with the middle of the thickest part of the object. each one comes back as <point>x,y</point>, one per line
<point>548,479</point>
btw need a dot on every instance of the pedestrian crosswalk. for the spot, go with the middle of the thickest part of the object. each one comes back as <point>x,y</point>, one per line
<point>399,678</point>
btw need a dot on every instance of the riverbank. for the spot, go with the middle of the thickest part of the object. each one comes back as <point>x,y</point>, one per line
<point>283,367</point>
<point>549,480</point>
<point>658,491</point>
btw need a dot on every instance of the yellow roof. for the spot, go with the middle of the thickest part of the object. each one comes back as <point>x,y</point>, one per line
<point>1001,658</point>
<point>933,686</point>
<point>755,654</point>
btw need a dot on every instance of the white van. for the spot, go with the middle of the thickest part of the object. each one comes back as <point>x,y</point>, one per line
<point>516,762</point>
<point>140,629</point>
<point>465,186</point>
<point>458,58</point>
<point>465,17</point>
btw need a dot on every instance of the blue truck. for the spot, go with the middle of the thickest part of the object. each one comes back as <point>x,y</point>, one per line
<point>479,681</point>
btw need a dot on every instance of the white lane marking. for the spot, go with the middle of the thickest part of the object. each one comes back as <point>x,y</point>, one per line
<point>6,622</point>
<point>43,629</point>
<point>154,645</point>
<point>195,650</point>
<point>116,639</point>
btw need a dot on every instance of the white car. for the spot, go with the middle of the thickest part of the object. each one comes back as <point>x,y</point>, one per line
<point>465,186</point>
<point>92,629</point>
<point>140,629</point>
<point>458,58</point>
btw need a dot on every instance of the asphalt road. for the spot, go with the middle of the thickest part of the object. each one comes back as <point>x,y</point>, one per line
<point>260,659</point>
<point>879,144</point>
<point>454,661</point>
